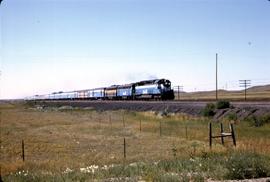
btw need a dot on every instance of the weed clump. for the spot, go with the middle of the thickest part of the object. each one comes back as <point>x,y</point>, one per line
<point>209,110</point>
<point>232,116</point>
<point>259,121</point>
<point>223,104</point>
<point>247,165</point>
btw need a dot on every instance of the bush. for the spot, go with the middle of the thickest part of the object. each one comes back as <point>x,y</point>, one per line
<point>265,118</point>
<point>258,121</point>
<point>232,116</point>
<point>223,104</point>
<point>209,110</point>
<point>248,165</point>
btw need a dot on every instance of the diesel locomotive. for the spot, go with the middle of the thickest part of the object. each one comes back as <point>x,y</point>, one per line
<point>158,89</point>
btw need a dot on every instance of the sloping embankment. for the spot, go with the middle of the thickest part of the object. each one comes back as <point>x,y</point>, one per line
<point>240,109</point>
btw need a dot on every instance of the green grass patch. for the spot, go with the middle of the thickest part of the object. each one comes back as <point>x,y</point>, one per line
<point>230,165</point>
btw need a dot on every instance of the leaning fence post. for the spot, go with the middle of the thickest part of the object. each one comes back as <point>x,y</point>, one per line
<point>233,135</point>
<point>221,132</point>
<point>1,174</point>
<point>210,135</point>
<point>23,150</point>
<point>124,148</point>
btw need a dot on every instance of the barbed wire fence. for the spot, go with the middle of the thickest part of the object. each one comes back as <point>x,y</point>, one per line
<point>122,147</point>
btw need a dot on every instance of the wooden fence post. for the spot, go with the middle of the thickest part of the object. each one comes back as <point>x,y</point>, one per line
<point>23,151</point>
<point>210,135</point>
<point>221,131</point>
<point>124,148</point>
<point>222,134</point>
<point>233,135</point>
<point>1,174</point>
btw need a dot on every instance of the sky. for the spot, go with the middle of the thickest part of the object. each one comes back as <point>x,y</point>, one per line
<point>63,45</point>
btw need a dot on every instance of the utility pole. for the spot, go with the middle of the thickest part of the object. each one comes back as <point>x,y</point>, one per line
<point>179,89</point>
<point>245,84</point>
<point>216,77</point>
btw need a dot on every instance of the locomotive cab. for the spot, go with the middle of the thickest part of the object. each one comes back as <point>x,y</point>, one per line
<point>165,88</point>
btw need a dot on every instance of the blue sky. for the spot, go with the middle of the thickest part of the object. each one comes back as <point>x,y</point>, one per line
<point>53,45</point>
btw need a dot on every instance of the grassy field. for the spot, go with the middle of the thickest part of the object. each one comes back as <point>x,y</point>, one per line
<point>72,144</point>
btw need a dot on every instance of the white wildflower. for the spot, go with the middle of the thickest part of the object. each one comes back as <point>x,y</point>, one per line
<point>68,170</point>
<point>89,169</point>
<point>83,170</point>
<point>105,167</point>
<point>133,164</point>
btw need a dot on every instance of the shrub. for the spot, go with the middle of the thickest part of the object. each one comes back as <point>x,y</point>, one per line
<point>232,116</point>
<point>209,110</point>
<point>265,118</point>
<point>253,120</point>
<point>247,165</point>
<point>223,104</point>
<point>258,121</point>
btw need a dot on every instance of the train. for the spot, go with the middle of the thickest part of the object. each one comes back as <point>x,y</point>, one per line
<point>157,89</point>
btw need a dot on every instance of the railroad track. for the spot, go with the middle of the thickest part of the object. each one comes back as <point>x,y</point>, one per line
<point>189,107</point>
<point>265,104</point>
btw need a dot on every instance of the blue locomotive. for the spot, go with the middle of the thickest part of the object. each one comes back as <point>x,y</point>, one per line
<point>158,89</point>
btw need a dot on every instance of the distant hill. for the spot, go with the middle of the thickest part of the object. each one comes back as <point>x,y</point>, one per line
<point>253,93</point>
<point>264,88</point>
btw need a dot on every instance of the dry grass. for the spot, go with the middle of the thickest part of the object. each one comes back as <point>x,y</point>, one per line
<point>55,141</point>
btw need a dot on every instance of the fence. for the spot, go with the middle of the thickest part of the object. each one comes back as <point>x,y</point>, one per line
<point>116,140</point>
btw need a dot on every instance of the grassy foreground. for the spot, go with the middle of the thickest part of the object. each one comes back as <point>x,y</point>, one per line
<point>72,144</point>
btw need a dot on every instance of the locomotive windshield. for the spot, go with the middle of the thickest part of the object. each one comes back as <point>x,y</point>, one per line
<point>164,85</point>
<point>167,83</point>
